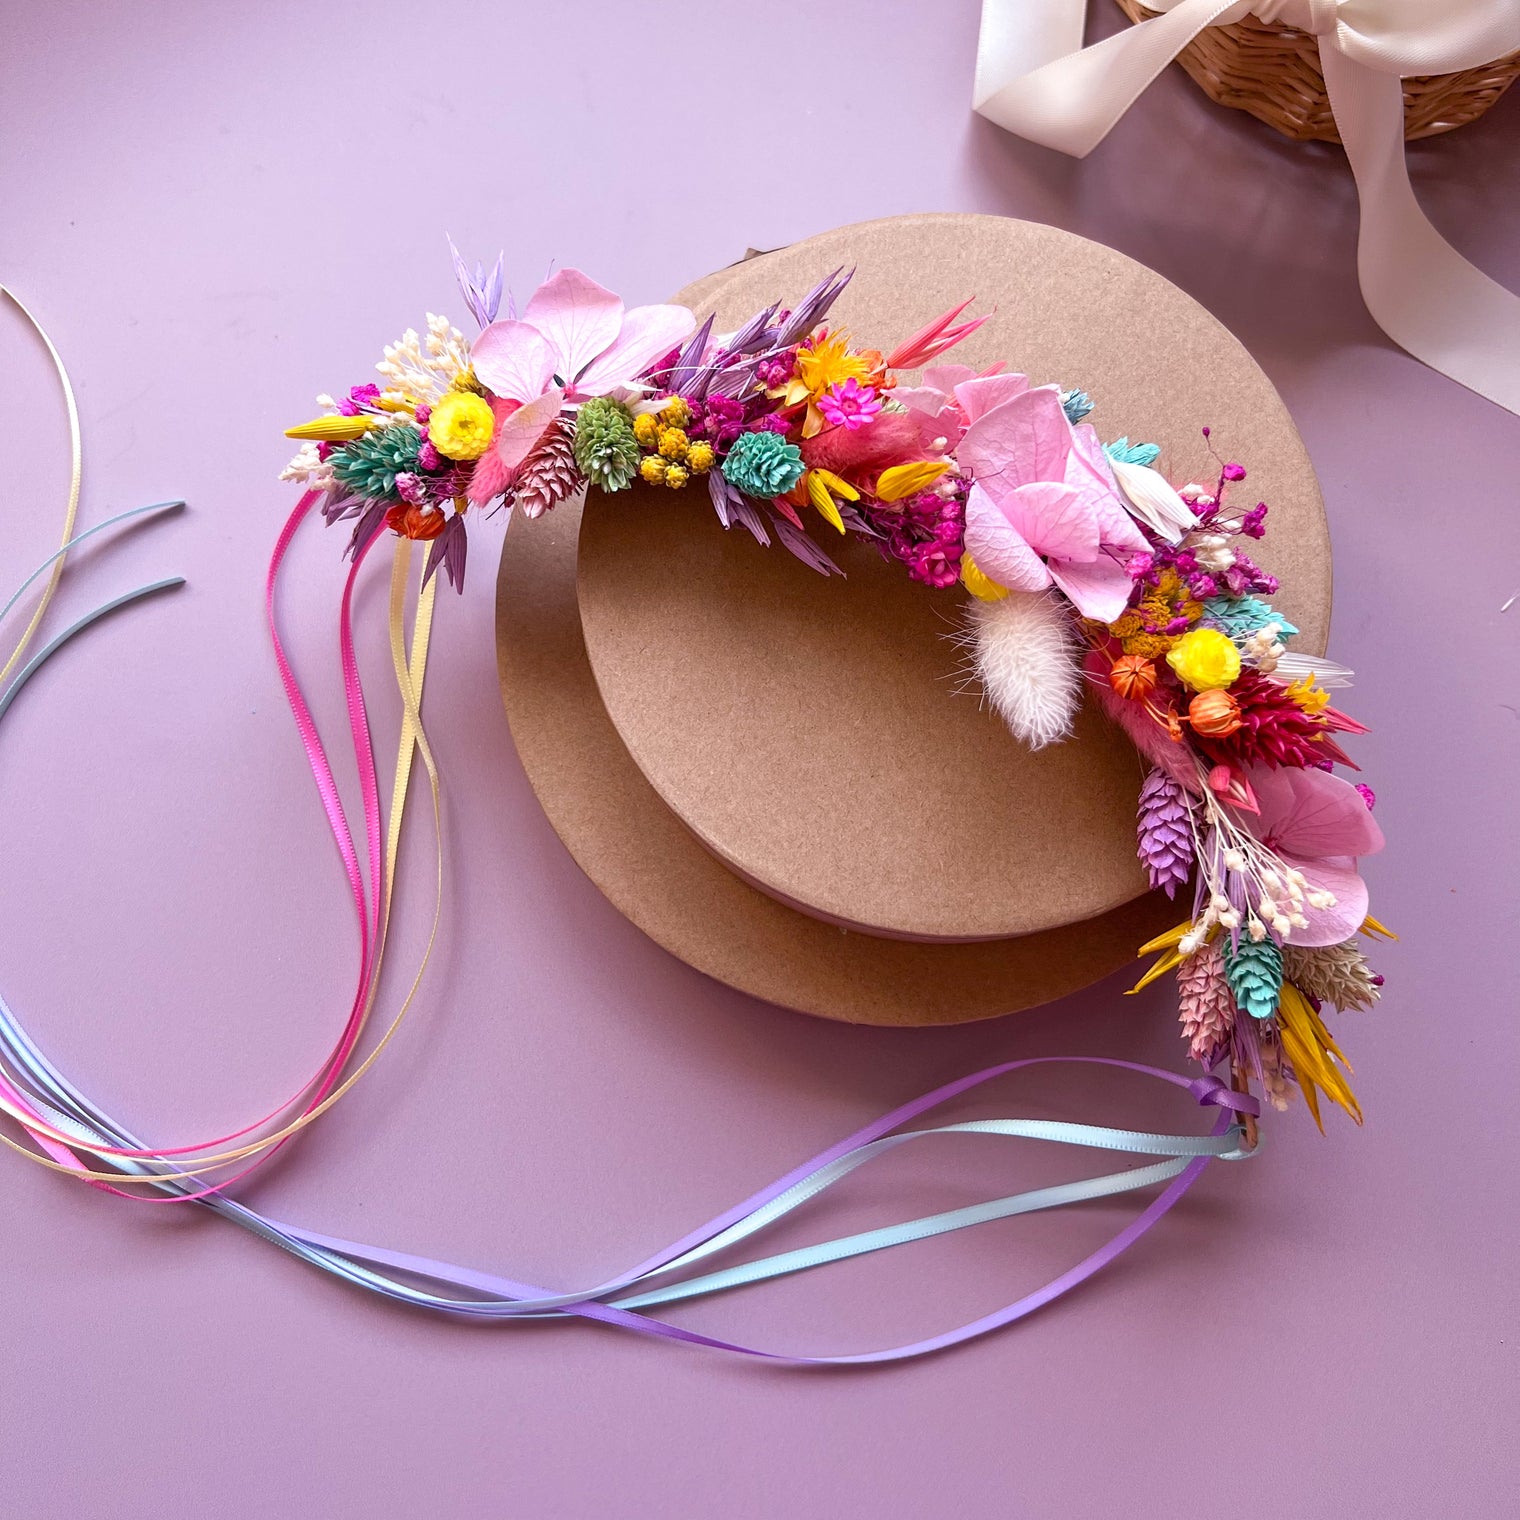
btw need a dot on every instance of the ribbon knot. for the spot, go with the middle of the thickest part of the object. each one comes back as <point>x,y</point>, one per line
<point>1317,17</point>
<point>1208,1089</point>
<point>1034,78</point>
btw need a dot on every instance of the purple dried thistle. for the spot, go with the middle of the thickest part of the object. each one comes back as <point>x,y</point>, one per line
<point>1164,832</point>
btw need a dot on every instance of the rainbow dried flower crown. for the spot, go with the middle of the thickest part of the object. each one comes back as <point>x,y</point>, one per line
<point>1087,570</point>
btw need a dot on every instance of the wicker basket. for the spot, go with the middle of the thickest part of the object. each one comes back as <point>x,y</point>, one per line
<point>1273,72</point>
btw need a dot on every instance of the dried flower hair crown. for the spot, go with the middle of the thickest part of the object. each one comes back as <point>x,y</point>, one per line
<point>1086,570</point>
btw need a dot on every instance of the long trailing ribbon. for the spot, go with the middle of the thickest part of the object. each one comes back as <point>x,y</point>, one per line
<point>1034,78</point>
<point>62,1151</point>
<point>65,1126</point>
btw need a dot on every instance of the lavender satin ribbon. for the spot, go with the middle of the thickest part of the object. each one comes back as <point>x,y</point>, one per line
<point>488,1299</point>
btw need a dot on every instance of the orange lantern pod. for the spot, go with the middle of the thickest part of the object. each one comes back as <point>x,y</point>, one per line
<point>1133,677</point>
<point>1215,714</point>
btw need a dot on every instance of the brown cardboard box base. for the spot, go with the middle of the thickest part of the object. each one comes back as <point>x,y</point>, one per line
<point>682,698</point>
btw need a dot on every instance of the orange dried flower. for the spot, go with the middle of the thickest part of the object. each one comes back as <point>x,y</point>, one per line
<point>415,522</point>
<point>1215,714</point>
<point>1133,677</point>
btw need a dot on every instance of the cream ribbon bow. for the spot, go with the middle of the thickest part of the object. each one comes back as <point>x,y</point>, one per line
<point>1034,77</point>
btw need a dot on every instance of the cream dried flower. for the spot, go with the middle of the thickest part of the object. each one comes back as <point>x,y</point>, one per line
<point>419,368</point>
<point>308,468</point>
<point>1335,974</point>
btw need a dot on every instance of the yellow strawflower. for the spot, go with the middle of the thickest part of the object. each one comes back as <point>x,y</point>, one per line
<point>652,469</point>
<point>675,412</point>
<point>646,430</point>
<point>461,425</point>
<point>700,458</point>
<point>1205,659</point>
<point>676,476</point>
<point>673,443</point>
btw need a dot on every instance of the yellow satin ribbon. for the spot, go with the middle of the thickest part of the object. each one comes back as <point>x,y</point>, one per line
<point>76,476</point>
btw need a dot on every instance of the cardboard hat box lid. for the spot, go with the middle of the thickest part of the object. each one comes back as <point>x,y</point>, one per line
<point>814,735</point>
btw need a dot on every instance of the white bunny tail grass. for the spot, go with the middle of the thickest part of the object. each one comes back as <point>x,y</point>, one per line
<point>1028,660</point>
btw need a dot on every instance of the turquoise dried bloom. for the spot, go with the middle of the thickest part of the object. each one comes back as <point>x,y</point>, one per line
<point>368,466</point>
<point>1254,970</point>
<point>1125,452</point>
<point>605,447</point>
<point>1076,405</point>
<point>1239,617</point>
<point>763,465</point>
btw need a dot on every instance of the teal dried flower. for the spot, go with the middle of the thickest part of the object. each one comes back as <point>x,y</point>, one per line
<point>1254,970</point>
<point>1144,454</point>
<point>763,465</point>
<point>1239,617</point>
<point>368,466</point>
<point>1076,405</point>
<point>605,448</point>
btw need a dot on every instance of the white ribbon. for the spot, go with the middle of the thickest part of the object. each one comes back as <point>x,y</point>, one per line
<point>1034,77</point>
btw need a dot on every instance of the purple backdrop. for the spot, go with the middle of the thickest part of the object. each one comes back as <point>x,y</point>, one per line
<point>221,213</point>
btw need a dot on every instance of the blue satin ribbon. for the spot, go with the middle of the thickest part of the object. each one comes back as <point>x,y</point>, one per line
<point>484,1298</point>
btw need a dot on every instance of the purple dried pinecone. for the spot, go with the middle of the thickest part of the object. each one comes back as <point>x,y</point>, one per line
<point>1164,831</point>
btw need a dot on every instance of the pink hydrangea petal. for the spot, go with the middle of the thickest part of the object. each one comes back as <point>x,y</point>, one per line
<point>579,318</point>
<point>998,548</point>
<point>513,360</point>
<point>647,334</point>
<point>1089,470</point>
<point>1053,520</point>
<point>1312,814</point>
<point>1098,590</point>
<point>980,393</point>
<point>1330,926</point>
<point>1022,440</point>
<point>922,398</point>
<point>945,377</point>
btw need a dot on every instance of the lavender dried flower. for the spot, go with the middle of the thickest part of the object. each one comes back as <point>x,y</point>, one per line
<point>1164,831</point>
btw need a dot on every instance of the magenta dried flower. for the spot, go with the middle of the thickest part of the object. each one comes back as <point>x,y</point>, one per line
<point>850,405</point>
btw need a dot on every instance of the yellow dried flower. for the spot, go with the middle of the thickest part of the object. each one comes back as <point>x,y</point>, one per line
<point>646,430</point>
<point>979,583</point>
<point>676,476</point>
<point>700,458</point>
<point>1205,659</point>
<point>1150,645</point>
<point>461,425</point>
<point>675,413</point>
<point>1312,698</point>
<point>673,443</point>
<point>652,469</point>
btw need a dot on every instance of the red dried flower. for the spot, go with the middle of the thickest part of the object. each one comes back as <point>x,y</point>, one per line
<point>1274,730</point>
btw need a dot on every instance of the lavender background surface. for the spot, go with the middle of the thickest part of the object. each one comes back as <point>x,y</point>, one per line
<point>222,211</point>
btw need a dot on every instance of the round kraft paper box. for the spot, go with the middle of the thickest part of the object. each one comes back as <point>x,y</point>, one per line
<point>789,780</point>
